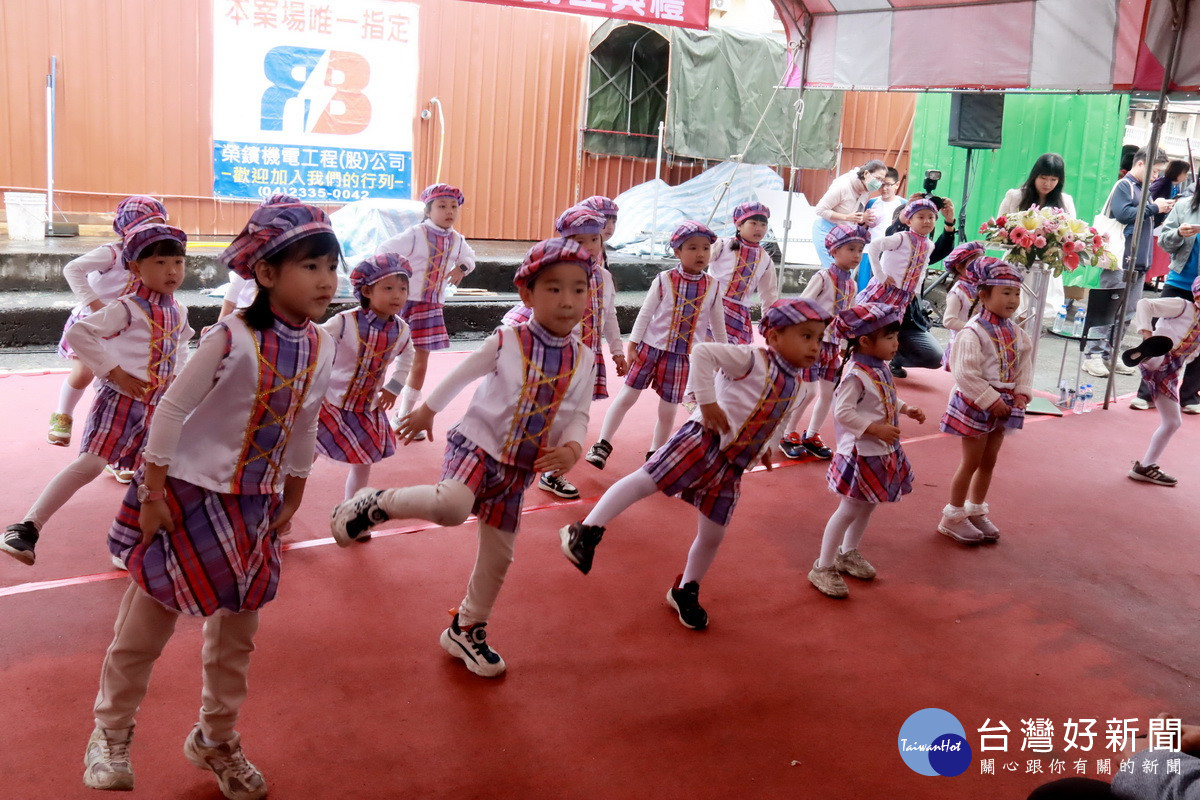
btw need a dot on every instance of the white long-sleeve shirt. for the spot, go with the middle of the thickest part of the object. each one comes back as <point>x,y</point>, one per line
<point>241,291</point>
<point>975,364</point>
<point>98,275</point>
<point>610,328</point>
<point>414,246</point>
<point>1012,202</point>
<point>201,424</point>
<point>653,323</point>
<point>822,289</point>
<point>858,404</point>
<point>844,196</point>
<point>763,279</point>
<point>343,328</point>
<point>890,261</point>
<point>1175,319</point>
<point>734,375</point>
<point>958,308</point>
<point>120,335</point>
<point>493,407</point>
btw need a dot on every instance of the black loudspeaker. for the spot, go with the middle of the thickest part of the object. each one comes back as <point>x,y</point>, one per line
<point>976,120</point>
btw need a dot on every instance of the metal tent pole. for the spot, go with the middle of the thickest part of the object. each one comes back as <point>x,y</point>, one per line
<point>657,186</point>
<point>50,86</point>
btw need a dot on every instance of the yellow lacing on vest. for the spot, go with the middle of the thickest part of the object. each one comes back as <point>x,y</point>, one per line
<point>740,280</point>
<point>536,377</point>
<point>269,417</point>
<point>158,355</point>
<point>765,406</point>
<point>886,392</point>
<point>589,325</point>
<point>366,366</point>
<point>686,309</point>
<point>438,256</point>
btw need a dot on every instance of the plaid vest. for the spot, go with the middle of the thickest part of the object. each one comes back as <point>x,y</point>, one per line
<point>689,292</point>
<point>549,363</point>
<point>435,268</point>
<point>377,339</point>
<point>593,317</point>
<point>1003,334</point>
<point>918,258</point>
<point>743,270</point>
<point>875,372</point>
<point>166,323</point>
<point>778,392</point>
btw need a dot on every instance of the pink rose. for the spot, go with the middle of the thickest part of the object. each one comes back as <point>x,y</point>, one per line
<point>1040,241</point>
<point>1001,221</point>
<point>1070,260</point>
<point>1093,231</point>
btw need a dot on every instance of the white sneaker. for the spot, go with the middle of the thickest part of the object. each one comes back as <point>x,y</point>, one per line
<point>237,777</point>
<point>956,525</point>
<point>470,644</point>
<point>1124,369</point>
<point>978,515</point>
<point>1194,408</point>
<point>1138,404</point>
<point>353,519</point>
<point>106,762</point>
<point>1095,366</point>
<point>827,580</point>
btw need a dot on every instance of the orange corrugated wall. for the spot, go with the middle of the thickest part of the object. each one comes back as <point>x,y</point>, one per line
<point>134,112</point>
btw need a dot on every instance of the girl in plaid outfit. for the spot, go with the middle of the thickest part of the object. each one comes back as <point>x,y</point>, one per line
<point>961,299</point>
<point>869,466</point>
<point>901,258</point>
<point>529,415</point>
<point>703,462</point>
<point>742,266</point>
<point>993,375</point>
<point>96,278</point>
<point>680,304</point>
<point>367,340</point>
<point>831,288</point>
<point>599,323</point>
<point>241,291</point>
<point>225,465</point>
<point>136,344</point>
<point>1179,320</point>
<point>438,256</point>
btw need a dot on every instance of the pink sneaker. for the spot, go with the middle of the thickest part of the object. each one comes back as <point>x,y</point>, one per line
<point>977,514</point>
<point>958,527</point>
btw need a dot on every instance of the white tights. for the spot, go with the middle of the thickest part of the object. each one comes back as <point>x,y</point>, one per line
<point>821,409</point>
<point>79,473</point>
<point>847,524</point>
<point>620,407</point>
<point>69,397</point>
<point>357,478</point>
<point>1172,418</point>
<point>638,485</point>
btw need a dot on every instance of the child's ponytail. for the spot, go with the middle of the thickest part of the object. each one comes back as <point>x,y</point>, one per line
<point>258,315</point>
<point>851,347</point>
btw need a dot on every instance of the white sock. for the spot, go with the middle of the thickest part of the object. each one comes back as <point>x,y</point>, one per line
<point>821,409</point>
<point>704,549</point>
<point>1171,415</point>
<point>79,473</point>
<point>848,512</point>
<point>68,398</point>
<point>856,528</point>
<point>409,397</point>
<point>665,425</point>
<point>635,486</point>
<point>617,410</point>
<point>357,478</point>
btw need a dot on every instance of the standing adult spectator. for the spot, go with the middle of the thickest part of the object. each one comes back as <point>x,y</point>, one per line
<point>1167,186</point>
<point>1178,237</point>
<point>884,208</point>
<point>845,201</point>
<point>1123,208</point>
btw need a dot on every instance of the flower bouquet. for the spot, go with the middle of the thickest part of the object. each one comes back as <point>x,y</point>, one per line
<point>1048,235</point>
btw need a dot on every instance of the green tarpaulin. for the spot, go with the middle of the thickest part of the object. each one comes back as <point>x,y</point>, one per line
<point>718,83</point>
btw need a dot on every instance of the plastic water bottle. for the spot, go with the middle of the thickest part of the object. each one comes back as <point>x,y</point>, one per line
<point>1080,396</point>
<point>1060,322</point>
<point>1078,328</point>
<point>1062,393</point>
<point>1088,394</point>
<point>1072,399</point>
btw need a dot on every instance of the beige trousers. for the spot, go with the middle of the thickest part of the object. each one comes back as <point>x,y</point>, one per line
<point>449,503</point>
<point>142,629</point>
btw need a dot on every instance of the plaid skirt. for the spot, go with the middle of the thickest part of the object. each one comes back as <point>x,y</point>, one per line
<point>692,467</point>
<point>875,479</point>
<point>499,488</point>
<point>116,428</point>
<point>354,437</point>
<point>77,313</point>
<point>737,322</point>
<point>946,352</point>
<point>667,372</point>
<point>517,315</point>
<point>877,292</point>
<point>964,418</point>
<point>826,366</point>
<point>600,388</point>
<point>428,325</point>
<point>220,554</point>
<point>1162,378</point>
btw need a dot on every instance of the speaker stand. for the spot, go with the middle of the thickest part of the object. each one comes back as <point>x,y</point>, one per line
<point>962,208</point>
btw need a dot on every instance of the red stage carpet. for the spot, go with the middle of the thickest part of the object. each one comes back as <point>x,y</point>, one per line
<point>1084,610</point>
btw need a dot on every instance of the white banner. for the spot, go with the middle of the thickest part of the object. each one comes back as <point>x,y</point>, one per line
<point>314,99</point>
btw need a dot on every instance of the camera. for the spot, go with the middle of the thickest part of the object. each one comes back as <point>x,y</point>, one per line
<point>932,176</point>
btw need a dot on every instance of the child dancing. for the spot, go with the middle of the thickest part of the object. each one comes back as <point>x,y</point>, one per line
<point>367,340</point>
<point>993,375</point>
<point>225,465</point>
<point>961,297</point>
<point>898,261</point>
<point>135,344</point>
<point>739,409</point>
<point>831,288</point>
<point>680,304</point>
<point>869,466</point>
<point>742,266</point>
<point>528,415</point>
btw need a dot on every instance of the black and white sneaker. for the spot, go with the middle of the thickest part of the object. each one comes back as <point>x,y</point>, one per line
<point>1147,473</point>
<point>598,455</point>
<point>558,485</point>
<point>470,644</point>
<point>19,540</point>
<point>579,543</point>
<point>353,518</point>
<point>686,602</point>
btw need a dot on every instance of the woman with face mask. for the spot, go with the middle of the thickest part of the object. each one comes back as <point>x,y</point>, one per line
<point>845,201</point>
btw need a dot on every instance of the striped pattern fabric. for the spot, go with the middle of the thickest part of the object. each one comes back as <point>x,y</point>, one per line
<point>884,294</point>
<point>135,210</point>
<point>377,342</point>
<point>968,291</point>
<point>593,316</point>
<point>579,220</point>
<point>435,190</point>
<point>738,327</point>
<point>354,436</point>
<point>964,418</point>
<point>689,228</point>
<point>874,479</point>
<point>550,362</point>
<point>270,229</point>
<point>918,259</point>
<point>667,372</point>
<point>826,366</point>
<point>116,428</point>
<point>692,467</point>
<point>743,270</point>
<point>220,555</point>
<point>600,388</point>
<point>844,234</point>
<point>499,488</point>
<point>139,237</point>
<point>1003,335</point>
<point>778,392</point>
<point>428,325</point>
<point>81,311</point>
<point>517,315</point>
<point>287,359</point>
<point>844,290</point>
<point>689,292</point>
<point>549,252</point>
<point>163,316</point>
<point>435,268</point>
<point>744,211</point>
<point>1164,379</point>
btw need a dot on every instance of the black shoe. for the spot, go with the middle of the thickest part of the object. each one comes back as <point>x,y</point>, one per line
<point>686,601</point>
<point>19,540</point>
<point>579,544</point>
<point>598,455</point>
<point>649,455</point>
<point>792,447</point>
<point>558,485</point>
<point>898,371</point>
